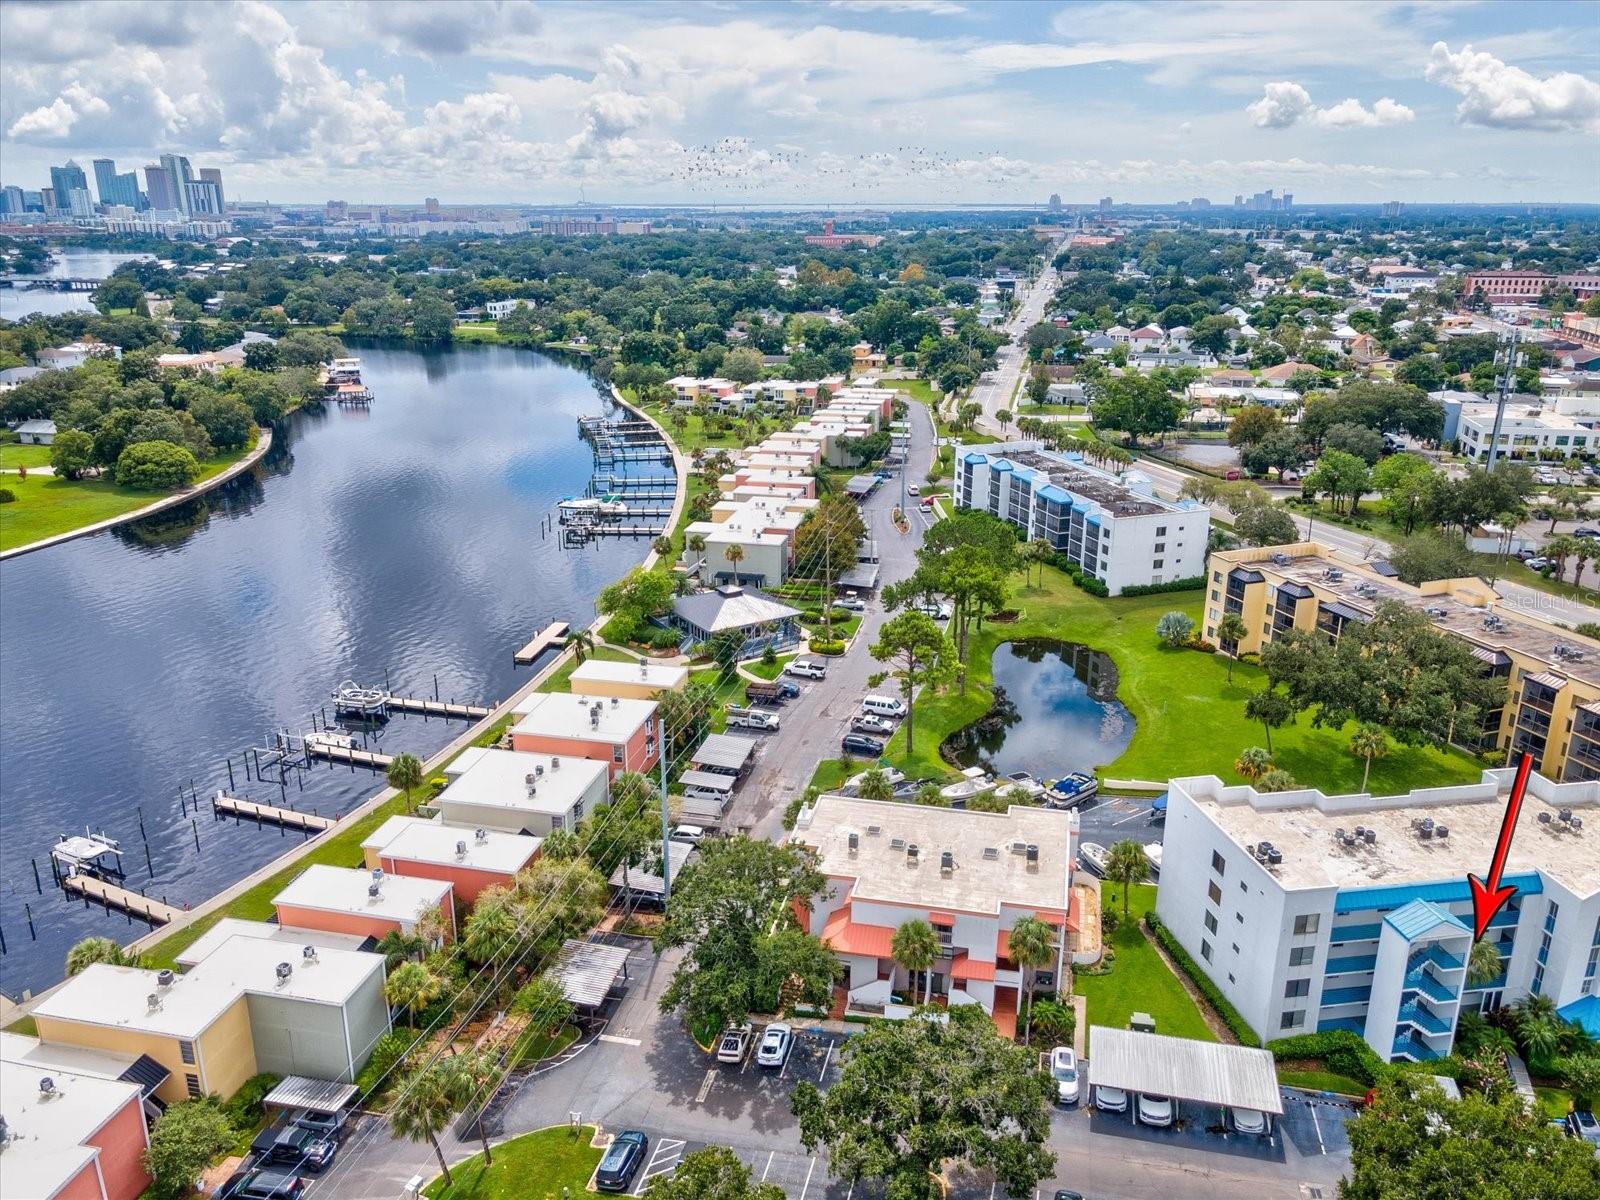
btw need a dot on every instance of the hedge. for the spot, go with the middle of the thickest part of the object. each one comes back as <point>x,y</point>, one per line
<point>1236,1024</point>
<point>1339,1050</point>
<point>1190,584</point>
<point>1075,573</point>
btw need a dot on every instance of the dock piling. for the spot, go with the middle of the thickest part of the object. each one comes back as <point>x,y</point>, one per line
<point>32,933</point>
<point>37,886</point>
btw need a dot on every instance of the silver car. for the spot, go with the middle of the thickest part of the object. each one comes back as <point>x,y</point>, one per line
<point>776,1043</point>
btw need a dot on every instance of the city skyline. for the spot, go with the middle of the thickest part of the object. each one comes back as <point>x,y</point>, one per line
<point>839,103</point>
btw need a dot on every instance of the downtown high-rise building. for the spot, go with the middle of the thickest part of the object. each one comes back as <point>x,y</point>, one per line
<point>158,184</point>
<point>180,175</point>
<point>213,177</point>
<point>64,180</point>
<point>115,188</point>
<point>12,200</point>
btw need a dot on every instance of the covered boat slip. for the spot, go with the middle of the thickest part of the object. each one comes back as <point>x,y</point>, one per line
<point>1205,1073</point>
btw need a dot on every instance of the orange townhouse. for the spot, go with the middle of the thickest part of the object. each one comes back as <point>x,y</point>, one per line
<point>469,860</point>
<point>616,731</point>
<point>370,903</point>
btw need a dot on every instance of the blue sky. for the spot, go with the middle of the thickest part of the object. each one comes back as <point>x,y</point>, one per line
<point>843,102</point>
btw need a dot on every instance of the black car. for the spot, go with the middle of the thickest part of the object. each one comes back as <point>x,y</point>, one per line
<point>1586,531</point>
<point>299,1147</point>
<point>326,1125</point>
<point>860,743</point>
<point>622,1161</point>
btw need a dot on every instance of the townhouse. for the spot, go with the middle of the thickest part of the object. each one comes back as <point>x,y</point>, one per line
<point>467,860</point>
<point>642,680</point>
<point>527,793</point>
<point>619,733</point>
<point>1115,528</point>
<point>762,528</point>
<point>1551,674</point>
<point>1314,912</point>
<point>971,875</point>
<point>365,903</point>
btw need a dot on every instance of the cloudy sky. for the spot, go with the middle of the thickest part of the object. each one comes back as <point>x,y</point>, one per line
<point>909,101</point>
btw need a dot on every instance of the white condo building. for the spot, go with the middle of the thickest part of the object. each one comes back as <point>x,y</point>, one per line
<point>1115,528</point>
<point>1314,912</point>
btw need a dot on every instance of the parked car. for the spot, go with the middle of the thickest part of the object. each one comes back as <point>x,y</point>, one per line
<point>1586,531</point>
<point>1155,1110</point>
<point>867,723</point>
<point>853,603</point>
<point>1538,562</point>
<point>298,1147</point>
<point>1064,1194</point>
<point>1064,1070</point>
<point>776,1042</point>
<point>622,1161</point>
<point>752,718</point>
<point>860,743</point>
<point>1110,1099</point>
<point>1582,1124</point>
<point>1248,1120</point>
<point>693,834</point>
<point>330,1126</point>
<point>733,1043</point>
<point>915,489</point>
<point>884,706</point>
<point>807,668</point>
<point>263,1183</point>
<point>926,505</point>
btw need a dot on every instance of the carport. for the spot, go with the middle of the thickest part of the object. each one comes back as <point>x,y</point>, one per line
<point>587,971</point>
<point>1206,1073</point>
<point>318,1095</point>
<point>643,884</point>
<point>723,753</point>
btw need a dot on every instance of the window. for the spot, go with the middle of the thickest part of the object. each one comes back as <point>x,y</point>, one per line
<point>558,823</point>
<point>616,754</point>
<point>1293,1020</point>
<point>1243,887</point>
<point>1239,917</point>
<point>1161,531</point>
<point>1160,547</point>
<point>1307,923</point>
<point>577,812</point>
<point>1205,950</point>
<point>186,1052</point>
<point>1218,863</point>
<point>1214,892</point>
<point>1156,565</point>
<point>1296,987</point>
<point>1301,956</point>
<point>1211,922</point>
<point>192,1083</point>
<point>1216,577</point>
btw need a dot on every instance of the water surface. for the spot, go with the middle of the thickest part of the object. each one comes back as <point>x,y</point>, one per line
<point>17,302</point>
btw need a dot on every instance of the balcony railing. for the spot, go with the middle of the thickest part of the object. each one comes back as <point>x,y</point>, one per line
<point>1353,965</point>
<point>1421,980</point>
<point>1416,1014</point>
<point>1345,995</point>
<point>1415,1050</point>
<point>1355,933</point>
<point>1435,955</point>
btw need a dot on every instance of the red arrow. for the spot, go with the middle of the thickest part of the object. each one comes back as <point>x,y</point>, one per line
<point>1488,897</point>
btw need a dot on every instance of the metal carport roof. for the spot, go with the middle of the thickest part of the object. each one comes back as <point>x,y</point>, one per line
<point>587,971</point>
<point>724,751</point>
<point>1204,1072</point>
<point>319,1095</point>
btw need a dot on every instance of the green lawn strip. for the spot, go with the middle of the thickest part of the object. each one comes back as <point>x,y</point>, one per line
<point>561,681</point>
<point>832,772</point>
<point>15,454</point>
<point>727,688</point>
<point>549,1164</point>
<point>1139,980</point>
<point>1171,694</point>
<point>24,1027</point>
<point>1322,1081</point>
<point>917,389</point>
<point>46,506</point>
<point>769,670</point>
<point>535,1045</point>
<point>1554,1102</point>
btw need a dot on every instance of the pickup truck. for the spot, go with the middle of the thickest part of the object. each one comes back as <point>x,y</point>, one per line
<point>752,718</point>
<point>771,693</point>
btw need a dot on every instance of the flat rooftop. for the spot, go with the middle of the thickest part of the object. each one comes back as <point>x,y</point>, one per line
<point>644,672</point>
<point>119,997</point>
<point>417,840</point>
<point>46,1132</point>
<point>582,718</point>
<point>347,890</point>
<point>1301,824</point>
<point>499,779</point>
<point>1092,485</point>
<point>990,870</point>
<point>295,939</point>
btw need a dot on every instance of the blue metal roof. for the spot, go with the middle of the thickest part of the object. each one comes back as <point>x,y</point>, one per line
<point>1001,464</point>
<point>1452,891</point>
<point>1055,494</point>
<point>974,457</point>
<point>1420,917</point>
<point>1585,1012</point>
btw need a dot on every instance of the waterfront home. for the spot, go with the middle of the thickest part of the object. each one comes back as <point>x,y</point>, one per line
<point>293,941</point>
<point>370,903</point>
<point>249,1006</point>
<point>762,527</point>
<point>764,620</point>
<point>75,1122</point>
<point>971,875</point>
<point>642,680</point>
<point>75,354</point>
<point>469,860</point>
<point>617,732</point>
<point>516,792</point>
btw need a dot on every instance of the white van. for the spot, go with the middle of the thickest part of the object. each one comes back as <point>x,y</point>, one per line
<point>884,706</point>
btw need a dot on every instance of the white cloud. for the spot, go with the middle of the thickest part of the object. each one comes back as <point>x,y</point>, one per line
<point>929,8</point>
<point>1496,94</point>
<point>51,122</point>
<point>1284,104</point>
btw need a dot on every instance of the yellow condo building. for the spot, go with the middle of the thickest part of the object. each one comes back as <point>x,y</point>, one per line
<point>1551,674</point>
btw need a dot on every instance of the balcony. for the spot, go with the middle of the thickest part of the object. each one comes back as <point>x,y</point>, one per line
<point>1355,933</point>
<point>1506,916</point>
<point>1420,980</point>
<point>1414,1050</point>
<point>1355,1025</point>
<point>1437,956</point>
<point>1416,1014</point>
<point>1353,965</point>
<point>1345,995</point>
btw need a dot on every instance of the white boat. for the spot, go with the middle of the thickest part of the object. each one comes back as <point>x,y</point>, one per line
<point>1023,780</point>
<point>1152,853</point>
<point>87,854</point>
<point>974,782</point>
<point>602,506</point>
<point>893,774</point>
<point>1071,790</point>
<point>332,741</point>
<point>351,699</point>
<point>1094,857</point>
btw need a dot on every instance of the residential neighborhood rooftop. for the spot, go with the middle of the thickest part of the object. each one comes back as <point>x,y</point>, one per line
<point>47,1131</point>
<point>582,718</point>
<point>492,778</point>
<point>415,839</point>
<point>350,890</point>
<point>269,931</point>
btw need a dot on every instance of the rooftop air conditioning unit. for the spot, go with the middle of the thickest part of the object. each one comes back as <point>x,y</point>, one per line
<point>1274,856</point>
<point>1441,831</point>
<point>461,849</point>
<point>615,702</point>
<point>1544,818</point>
<point>854,840</point>
<point>308,954</point>
<point>874,830</point>
<point>897,843</point>
<point>284,971</point>
<point>47,1087</point>
<point>555,763</point>
<point>991,853</point>
<point>372,890</point>
<point>1033,855</point>
<point>1370,836</point>
<point>480,835</point>
<point>164,977</point>
<point>911,854</point>
<point>947,862</point>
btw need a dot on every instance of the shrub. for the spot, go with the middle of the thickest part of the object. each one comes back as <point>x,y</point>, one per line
<point>7,496</point>
<point>830,649</point>
<point>156,466</point>
<point>1340,1051</point>
<point>1229,1014</point>
<point>385,1054</point>
<point>244,1109</point>
<point>1192,583</point>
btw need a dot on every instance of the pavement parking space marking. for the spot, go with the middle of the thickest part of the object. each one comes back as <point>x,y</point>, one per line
<point>806,1187</point>
<point>771,1154</point>
<point>1134,815</point>
<point>668,1153</point>
<point>705,1086</point>
<point>826,1058</point>
<point>619,1040</point>
<point>1322,1146</point>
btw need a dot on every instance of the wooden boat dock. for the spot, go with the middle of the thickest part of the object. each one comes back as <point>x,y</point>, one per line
<point>339,751</point>
<point>547,637</point>
<point>439,708</point>
<point>112,895</point>
<point>238,806</point>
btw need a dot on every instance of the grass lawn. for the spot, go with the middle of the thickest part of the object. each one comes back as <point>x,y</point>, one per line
<point>1322,1081</point>
<point>1139,980</point>
<point>832,772</point>
<point>535,1166</point>
<point>46,506</point>
<point>561,681</point>
<point>1554,1102</point>
<point>769,670</point>
<point>917,389</point>
<point>477,331</point>
<point>1190,719</point>
<point>535,1045</point>
<point>15,454</point>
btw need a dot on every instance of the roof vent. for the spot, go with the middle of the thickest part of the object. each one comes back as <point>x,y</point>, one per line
<point>284,971</point>
<point>854,840</point>
<point>153,1001</point>
<point>1033,855</point>
<point>991,853</point>
<point>911,854</point>
<point>164,977</point>
<point>308,954</point>
<point>372,890</point>
<point>615,702</point>
<point>480,835</point>
<point>874,830</point>
<point>47,1087</point>
<point>897,843</point>
<point>461,849</point>
<point>377,874</point>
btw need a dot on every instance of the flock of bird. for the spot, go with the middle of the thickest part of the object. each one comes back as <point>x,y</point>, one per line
<point>736,164</point>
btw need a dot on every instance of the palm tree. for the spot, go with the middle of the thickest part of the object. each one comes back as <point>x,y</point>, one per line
<point>1253,763</point>
<point>412,986</point>
<point>1587,548</point>
<point>99,950</point>
<point>1538,1027</point>
<point>1127,865</point>
<point>397,947</point>
<point>735,555</point>
<point>474,1076</point>
<point>1558,550</point>
<point>405,773</point>
<point>915,947</point>
<point>1032,945</point>
<point>580,642</point>
<point>662,546</point>
<point>1368,742</point>
<point>424,1106</point>
<point>875,785</point>
<point>1276,780</point>
<point>696,543</point>
<point>1042,550</point>
<point>1484,963</point>
<point>1004,417</point>
<point>1231,629</point>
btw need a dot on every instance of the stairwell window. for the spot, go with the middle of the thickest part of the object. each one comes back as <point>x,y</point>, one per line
<point>186,1052</point>
<point>1307,923</point>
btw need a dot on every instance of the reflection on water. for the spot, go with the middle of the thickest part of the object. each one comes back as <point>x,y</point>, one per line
<point>405,541</point>
<point>18,302</point>
<point>1055,710</point>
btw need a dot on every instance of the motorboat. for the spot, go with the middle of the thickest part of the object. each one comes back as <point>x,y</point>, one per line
<point>88,853</point>
<point>330,740</point>
<point>975,781</point>
<point>1094,857</point>
<point>350,699</point>
<point>1152,853</point>
<point>1071,790</point>
<point>598,506</point>
<point>894,775</point>
<point>1025,781</point>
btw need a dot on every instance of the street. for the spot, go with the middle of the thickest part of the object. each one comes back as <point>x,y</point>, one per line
<point>994,390</point>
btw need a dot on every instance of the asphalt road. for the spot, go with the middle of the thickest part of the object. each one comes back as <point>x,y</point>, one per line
<point>995,390</point>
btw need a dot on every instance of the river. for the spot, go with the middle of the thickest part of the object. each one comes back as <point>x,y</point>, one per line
<point>404,539</point>
<point>17,302</point>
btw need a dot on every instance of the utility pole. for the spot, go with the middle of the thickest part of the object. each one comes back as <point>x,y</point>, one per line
<point>666,821</point>
<point>1508,375</point>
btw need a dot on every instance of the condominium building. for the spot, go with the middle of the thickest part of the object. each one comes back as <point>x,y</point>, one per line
<point>1113,527</point>
<point>366,903</point>
<point>1527,286</point>
<point>971,875</point>
<point>1552,675</point>
<point>619,733</point>
<point>519,792</point>
<point>642,680</point>
<point>1314,912</point>
<point>468,860</point>
<point>763,530</point>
